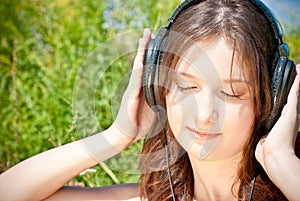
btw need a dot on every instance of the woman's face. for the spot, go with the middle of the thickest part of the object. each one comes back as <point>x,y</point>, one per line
<point>209,106</point>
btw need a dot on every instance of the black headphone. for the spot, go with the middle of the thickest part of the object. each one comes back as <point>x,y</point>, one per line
<point>283,69</point>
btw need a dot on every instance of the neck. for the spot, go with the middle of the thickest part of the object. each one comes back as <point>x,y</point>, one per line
<point>213,180</point>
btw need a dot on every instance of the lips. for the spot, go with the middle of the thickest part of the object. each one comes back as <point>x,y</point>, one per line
<point>203,135</point>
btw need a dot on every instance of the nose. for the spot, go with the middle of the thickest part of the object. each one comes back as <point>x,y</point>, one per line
<point>206,111</point>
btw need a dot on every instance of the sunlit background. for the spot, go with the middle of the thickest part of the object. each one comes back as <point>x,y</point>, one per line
<point>287,11</point>
<point>43,45</point>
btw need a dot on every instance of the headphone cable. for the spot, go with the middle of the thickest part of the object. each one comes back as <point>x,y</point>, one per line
<point>252,188</point>
<point>167,157</point>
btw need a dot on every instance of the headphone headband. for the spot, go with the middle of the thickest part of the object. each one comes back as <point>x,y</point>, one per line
<point>282,70</point>
<point>277,29</point>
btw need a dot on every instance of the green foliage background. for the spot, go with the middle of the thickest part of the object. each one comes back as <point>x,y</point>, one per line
<point>43,45</point>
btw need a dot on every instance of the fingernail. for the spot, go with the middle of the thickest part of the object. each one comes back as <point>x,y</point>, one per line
<point>146,31</point>
<point>140,42</point>
<point>140,64</point>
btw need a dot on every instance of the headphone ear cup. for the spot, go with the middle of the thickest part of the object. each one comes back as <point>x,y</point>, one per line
<point>283,77</point>
<point>149,72</point>
<point>151,69</point>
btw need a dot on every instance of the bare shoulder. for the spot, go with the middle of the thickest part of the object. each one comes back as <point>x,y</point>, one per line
<point>129,192</point>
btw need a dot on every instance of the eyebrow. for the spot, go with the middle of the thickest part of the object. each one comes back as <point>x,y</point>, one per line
<point>187,75</point>
<point>237,81</point>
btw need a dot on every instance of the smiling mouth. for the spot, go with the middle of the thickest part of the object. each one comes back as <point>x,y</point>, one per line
<point>203,135</point>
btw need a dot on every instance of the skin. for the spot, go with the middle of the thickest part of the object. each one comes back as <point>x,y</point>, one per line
<point>50,170</point>
<point>216,120</point>
<point>276,152</point>
<point>205,103</point>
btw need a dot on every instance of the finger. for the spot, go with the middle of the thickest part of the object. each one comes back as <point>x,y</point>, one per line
<point>292,100</point>
<point>298,69</point>
<point>259,151</point>
<point>288,121</point>
<point>137,70</point>
<point>138,61</point>
<point>135,81</point>
<point>141,49</point>
<point>298,109</point>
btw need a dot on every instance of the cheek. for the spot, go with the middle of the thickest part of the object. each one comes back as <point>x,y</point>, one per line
<point>178,117</point>
<point>179,111</point>
<point>236,130</point>
<point>174,113</point>
<point>240,120</point>
<point>246,114</point>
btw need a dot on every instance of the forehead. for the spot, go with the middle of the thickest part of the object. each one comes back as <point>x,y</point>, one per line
<point>211,60</point>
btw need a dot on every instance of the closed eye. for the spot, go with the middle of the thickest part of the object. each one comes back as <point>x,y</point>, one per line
<point>231,94</point>
<point>186,88</point>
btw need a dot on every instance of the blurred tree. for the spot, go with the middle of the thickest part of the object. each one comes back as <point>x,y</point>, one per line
<point>44,45</point>
<point>17,22</point>
<point>292,37</point>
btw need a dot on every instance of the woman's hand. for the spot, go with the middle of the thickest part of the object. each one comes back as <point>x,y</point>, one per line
<point>135,117</point>
<point>276,152</point>
<point>47,172</point>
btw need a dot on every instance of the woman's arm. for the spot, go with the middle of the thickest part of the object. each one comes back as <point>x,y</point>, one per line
<point>44,174</point>
<point>115,192</point>
<point>276,152</point>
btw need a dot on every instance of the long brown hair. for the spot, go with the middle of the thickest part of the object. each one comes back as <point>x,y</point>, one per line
<point>249,33</point>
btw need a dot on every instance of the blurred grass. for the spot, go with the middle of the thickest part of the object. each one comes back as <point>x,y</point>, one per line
<point>43,47</point>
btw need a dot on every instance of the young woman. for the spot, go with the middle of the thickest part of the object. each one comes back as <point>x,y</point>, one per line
<point>217,97</point>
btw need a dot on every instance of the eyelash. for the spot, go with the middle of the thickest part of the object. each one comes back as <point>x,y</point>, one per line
<point>231,95</point>
<point>222,91</point>
<point>186,88</point>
